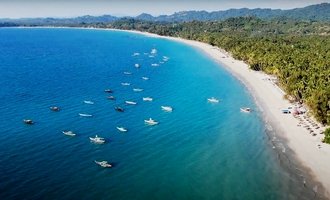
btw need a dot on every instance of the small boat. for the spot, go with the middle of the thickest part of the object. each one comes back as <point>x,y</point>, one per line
<point>130,102</point>
<point>104,164</point>
<point>121,129</point>
<point>245,109</point>
<point>137,65</point>
<point>136,54</point>
<point>85,115</point>
<point>119,109</point>
<point>127,73</point>
<point>213,100</point>
<point>111,97</point>
<point>89,102</point>
<point>167,108</point>
<point>137,89</point>
<point>54,108</point>
<point>155,65</point>
<point>28,121</point>
<point>69,133</point>
<point>125,84</point>
<point>153,51</point>
<point>165,58</point>
<point>150,122</point>
<point>108,91</point>
<point>145,78</point>
<point>147,99</point>
<point>97,139</point>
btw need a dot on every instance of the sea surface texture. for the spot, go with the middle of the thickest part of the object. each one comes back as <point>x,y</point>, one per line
<point>200,150</point>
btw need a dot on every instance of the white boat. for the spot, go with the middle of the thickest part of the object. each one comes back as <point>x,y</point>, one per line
<point>97,139</point>
<point>125,84</point>
<point>150,122</point>
<point>85,115</point>
<point>145,78</point>
<point>137,65</point>
<point>69,133</point>
<point>167,108</point>
<point>131,102</point>
<point>127,73</point>
<point>137,89</point>
<point>165,58</point>
<point>213,100</point>
<point>153,51</point>
<point>155,65</point>
<point>136,54</point>
<point>103,164</point>
<point>147,99</point>
<point>245,109</point>
<point>88,102</point>
<point>121,129</point>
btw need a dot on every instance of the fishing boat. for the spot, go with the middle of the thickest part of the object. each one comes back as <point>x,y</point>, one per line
<point>153,51</point>
<point>28,121</point>
<point>167,108</point>
<point>121,129</point>
<point>213,100</point>
<point>145,78</point>
<point>147,99</point>
<point>130,102</point>
<point>69,133</point>
<point>125,84</point>
<point>136,65</point>
<point>89,102</point>
<point>108,91</point>
<point>245,109</point>
<point>154,65</point>
<point>137,89</point>
<point>150,122</point>
<point>119,109</point>
<point>127,73</point>
<point>111,97</point>
<point>97,139</point>
<point>104,164</point>
<point>54,108</point>
<point>85,115</point>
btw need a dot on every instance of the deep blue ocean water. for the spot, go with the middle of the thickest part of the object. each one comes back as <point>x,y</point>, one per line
<point>199,151</point>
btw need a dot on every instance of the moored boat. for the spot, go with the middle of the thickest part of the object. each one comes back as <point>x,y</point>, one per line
<point>121,129</point>
<point>167,108</point>
<point>85,115</point>
<point>119,109</point>
<point>111,97</point>
<point>28,121</point>
<point>145,78</point>
<point>54,108</point>
<point>125,84</point>
<point>213,100</point>
<point>69,133</point>
<point>245,109</point>
<point>108,91</point>
<point>150,122</point>
<point>127,73</point>
<point>136,65</point>
<point>89,102</point>
<point>130,102</point>
<point>97,139</point>
<point>104,164</point>
<point>137,89</point>
<point>147,99</point>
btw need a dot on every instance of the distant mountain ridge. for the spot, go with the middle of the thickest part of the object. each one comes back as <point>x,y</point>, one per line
<point>318,12</point>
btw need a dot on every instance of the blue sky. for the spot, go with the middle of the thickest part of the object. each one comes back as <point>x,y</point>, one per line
<point>72,8</point>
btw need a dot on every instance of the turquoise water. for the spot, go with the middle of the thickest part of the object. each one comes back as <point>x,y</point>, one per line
<point>199,151</point>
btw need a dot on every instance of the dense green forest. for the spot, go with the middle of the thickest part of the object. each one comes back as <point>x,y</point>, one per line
<point>297,52</point>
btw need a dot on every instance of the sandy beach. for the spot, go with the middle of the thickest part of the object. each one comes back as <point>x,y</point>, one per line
<point>297,131</point>
<point>301,134</point>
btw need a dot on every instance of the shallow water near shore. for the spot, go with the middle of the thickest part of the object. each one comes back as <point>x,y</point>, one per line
<point>198,151</point>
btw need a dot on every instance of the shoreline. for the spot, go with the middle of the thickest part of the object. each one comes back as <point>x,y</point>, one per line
<point>269,98</point>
